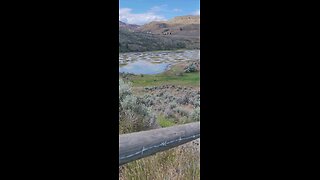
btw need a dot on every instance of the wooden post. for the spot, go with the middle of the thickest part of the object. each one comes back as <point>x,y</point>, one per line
<point>137,145</point>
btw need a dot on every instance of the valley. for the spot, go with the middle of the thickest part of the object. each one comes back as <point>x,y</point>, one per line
<point>159,86</point>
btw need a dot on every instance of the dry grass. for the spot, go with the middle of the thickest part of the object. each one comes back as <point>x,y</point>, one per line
<point>182,162</point>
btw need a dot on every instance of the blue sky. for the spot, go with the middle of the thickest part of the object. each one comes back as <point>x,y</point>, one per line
<point>144,11</point>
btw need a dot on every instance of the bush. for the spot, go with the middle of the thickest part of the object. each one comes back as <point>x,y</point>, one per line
<point>147,100</point>
<point>124,89</point>
<point>183,100</point>
<point>182,112</point>
<point>173,105</point>
<point>195,115</point>
<point>168,113</point>
<point>190,68</point>
<point>133,114</point>
<point>196,103</point>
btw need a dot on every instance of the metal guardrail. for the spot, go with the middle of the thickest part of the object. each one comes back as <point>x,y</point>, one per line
<point>138,145</point>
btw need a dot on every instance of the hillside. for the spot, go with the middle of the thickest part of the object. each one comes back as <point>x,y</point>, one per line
<point>137,41</point>
<point>128,27</point>
<point>181,32</point>
<point>187,26</point>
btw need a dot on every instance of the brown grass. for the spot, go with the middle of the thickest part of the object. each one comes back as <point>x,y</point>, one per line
<point>182,162</point>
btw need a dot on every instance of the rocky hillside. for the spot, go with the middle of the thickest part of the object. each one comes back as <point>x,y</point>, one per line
<point>185,20</point>
<point>187,26</point>
<point>128,27</point>
<point>181,32</point>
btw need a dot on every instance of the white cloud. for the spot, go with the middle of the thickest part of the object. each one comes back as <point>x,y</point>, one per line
<point>177,10</point>
<point>161,8</point>
<point>126,15</point>
<point>197,12</point>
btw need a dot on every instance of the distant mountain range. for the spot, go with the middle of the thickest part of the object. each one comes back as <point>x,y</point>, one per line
<point>130,27</point>
<point>179,32</point>
<point>181,25</point>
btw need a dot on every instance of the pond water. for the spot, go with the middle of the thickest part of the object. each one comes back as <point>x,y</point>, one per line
<point>154,62</point>
<point>144,67</point>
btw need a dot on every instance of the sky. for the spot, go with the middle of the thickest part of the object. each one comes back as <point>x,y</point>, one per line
<point>144,11</point>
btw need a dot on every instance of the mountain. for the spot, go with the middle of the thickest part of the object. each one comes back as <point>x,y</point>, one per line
<point>181,32</point>
<point>129,27</point>
<point>184,26</point>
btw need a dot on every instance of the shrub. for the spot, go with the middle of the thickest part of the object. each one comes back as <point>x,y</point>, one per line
<point>133,114</point>
<point>195,115</point>
<point>183,100</point>
<point>195,100</point>
<point>168,113</point>
<point>190,68</point>
<point>181,111</point>
<point>196,103</point>
<point>124,89</point>
<point>173,105</point>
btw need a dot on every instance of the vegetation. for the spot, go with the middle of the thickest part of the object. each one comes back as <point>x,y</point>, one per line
<point>178,163</point>
<point>174,76</point>
<point>191,68</point>
<point>154,101</point>
<point>137,41</point>
<point>133,115</point>
<point>164,122</point>
<point>191,79</point>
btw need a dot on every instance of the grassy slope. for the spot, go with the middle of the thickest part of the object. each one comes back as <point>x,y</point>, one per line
<point>169,77</point>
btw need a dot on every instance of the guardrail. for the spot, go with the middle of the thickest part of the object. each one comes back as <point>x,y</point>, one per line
<point>138,145</point>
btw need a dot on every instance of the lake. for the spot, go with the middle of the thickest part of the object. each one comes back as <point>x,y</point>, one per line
<point>153,62</point>
<point>144,67</point>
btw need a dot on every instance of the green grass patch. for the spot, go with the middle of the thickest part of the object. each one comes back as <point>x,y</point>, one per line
<point>187,79</point>
<point>173,76</point>
<point>163,122</point>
